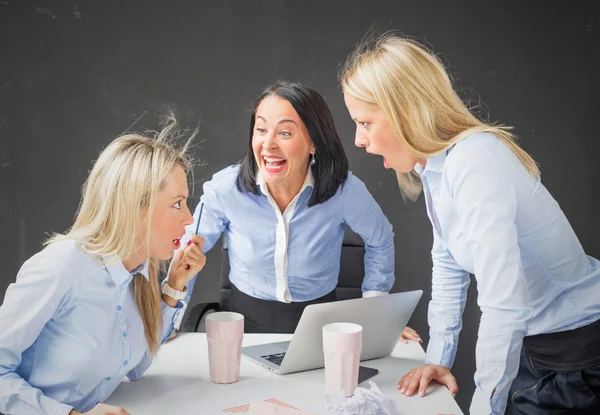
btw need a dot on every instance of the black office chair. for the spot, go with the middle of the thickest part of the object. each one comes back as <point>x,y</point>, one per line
<point>352,272</point>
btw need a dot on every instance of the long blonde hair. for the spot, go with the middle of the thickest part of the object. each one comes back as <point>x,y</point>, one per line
<point>413,90</point>
<point>118,198</point>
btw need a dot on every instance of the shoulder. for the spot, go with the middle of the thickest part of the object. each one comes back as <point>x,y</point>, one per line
<point>223,181</point>
<point>353,186</point>
<point>56,263</point>
<point>477,151</point>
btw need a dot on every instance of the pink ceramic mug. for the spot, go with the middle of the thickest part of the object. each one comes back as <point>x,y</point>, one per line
<point>224,331</point>
<point>342,344</point>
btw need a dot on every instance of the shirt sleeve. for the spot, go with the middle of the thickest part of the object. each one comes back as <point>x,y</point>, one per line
<point>448,298</point>
<point>213,223</point>
<point>365,217</point>
<point>484,196</point>
<point>41,290</point>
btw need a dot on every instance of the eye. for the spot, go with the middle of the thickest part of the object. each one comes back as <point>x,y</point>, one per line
<point>364,124</point>
<point>261,130</point>
<point>177,205</point>
<point>285,133</point>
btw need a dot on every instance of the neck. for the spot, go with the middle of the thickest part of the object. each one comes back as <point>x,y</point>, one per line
<point>283,193</point>
<point>134,260</point>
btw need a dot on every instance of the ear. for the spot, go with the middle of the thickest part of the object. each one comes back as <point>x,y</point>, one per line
<point>313,150</point>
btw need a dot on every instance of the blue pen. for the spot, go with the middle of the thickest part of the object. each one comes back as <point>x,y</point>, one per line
<point>197,225</point>
<point>199,216</point>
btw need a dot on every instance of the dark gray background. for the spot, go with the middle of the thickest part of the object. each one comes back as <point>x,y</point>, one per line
<point>75,74</point>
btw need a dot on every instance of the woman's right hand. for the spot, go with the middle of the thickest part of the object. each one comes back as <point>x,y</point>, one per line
<point>102,409</point>
<point>420,377</point>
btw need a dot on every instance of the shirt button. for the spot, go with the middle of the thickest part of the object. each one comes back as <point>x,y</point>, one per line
<point>119,308</point>
<point>125,363</point>
<point>125,334</point>
<point>108,379</point>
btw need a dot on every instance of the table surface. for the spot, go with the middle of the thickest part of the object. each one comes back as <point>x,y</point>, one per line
<point>178,382</point>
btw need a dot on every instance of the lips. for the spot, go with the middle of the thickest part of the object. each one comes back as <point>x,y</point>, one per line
<point>274,164</point>
<point>176,243</point>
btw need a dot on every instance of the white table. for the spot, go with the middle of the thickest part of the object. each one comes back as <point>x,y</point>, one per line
<point>178,382</point>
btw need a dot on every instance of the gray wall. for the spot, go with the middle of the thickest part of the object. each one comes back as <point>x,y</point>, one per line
<point>75,74</point>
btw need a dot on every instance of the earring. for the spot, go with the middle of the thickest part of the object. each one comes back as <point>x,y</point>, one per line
<point>312,160</point>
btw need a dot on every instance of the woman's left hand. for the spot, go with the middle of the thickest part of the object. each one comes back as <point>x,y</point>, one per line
<point>410,334</point>
<point>186,263</point>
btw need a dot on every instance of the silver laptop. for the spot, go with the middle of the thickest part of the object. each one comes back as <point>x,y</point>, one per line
<point>382,318</point>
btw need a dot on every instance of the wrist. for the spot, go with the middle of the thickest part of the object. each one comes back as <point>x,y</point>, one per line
<point>176,285</point>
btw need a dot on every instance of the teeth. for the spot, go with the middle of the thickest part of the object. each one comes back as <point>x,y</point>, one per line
<point>272,160</point>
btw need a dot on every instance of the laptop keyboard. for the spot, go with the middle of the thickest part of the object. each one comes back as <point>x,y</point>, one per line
<point>276,358</point>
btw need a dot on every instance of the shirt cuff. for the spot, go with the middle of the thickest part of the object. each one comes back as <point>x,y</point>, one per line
<point>440,353</point>
<point>170,316</point>
<point>63,409</point>
<point>369,294</point>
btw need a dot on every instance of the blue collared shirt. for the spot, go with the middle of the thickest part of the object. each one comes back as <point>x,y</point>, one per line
<point>71,332</point>
<point>294,255</point>
<point>492,219</point>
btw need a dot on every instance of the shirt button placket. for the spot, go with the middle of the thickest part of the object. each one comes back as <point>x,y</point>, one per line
<point>123,328</point>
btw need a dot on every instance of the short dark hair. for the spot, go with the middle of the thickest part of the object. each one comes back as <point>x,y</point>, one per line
<point>331,168</point>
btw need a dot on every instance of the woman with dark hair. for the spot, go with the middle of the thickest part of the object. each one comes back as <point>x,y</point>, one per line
<point>284,209</point>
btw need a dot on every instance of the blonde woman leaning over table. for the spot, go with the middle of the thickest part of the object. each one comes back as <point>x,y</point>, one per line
<point>539,335</point>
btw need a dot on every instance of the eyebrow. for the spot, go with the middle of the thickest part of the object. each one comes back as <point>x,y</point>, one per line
<point>180,196</point>
<point>280,121</point>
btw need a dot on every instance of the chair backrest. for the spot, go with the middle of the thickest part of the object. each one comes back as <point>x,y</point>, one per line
<point>352,270</point>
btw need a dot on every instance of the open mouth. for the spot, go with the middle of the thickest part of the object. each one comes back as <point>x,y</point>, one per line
<point>274,164</point>
<point>176,243</point>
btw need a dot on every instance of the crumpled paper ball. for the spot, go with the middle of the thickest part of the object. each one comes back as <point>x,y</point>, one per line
<point>364,402</point>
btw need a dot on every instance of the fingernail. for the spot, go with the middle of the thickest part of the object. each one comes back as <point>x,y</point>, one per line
<point>402,390</point>
<point>421,394</point>
<point>420,340</point>
<point>405,341</point>
<point>189,242</point>
<point>454,395</point>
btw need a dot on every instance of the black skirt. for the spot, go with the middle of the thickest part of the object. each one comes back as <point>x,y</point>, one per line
<point>265,316</point>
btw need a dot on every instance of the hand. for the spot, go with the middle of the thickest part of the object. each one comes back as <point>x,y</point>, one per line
<point>172,336</point>
<point>410,334</point>
<point>422,376</point>
<point>102,409</point>
<point>186,263</point>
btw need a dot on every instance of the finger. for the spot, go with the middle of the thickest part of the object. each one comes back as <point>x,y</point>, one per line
<point>415,335</point>
<point>193,256</point>
<point>177,258</point>
<point>411,334</point>
<point>197,240</point>
<point>403,384</point>
<point>412,386</point>
<point>193,262</point>
<point>425,380</point>
<point>450,382</point>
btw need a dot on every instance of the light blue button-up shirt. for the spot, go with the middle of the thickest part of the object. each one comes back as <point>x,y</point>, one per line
<point>294,255</point>
<point>492,219</point>
<point>70,332</point>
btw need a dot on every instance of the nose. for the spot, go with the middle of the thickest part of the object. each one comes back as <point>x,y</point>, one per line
<point>360,140</point>
<point>270,142</point>
<point>188,219</point>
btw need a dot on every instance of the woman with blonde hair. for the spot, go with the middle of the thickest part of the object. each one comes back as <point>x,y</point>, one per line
<point>491,216</point>
<point>86,311</point>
